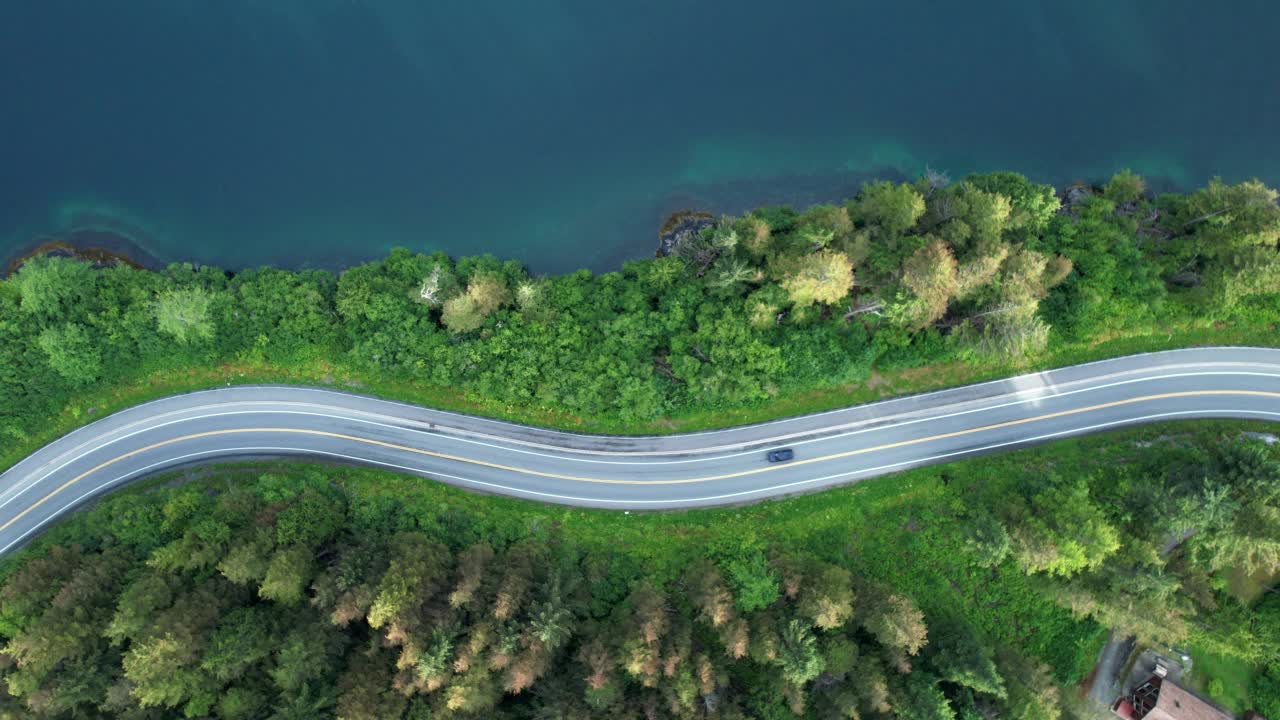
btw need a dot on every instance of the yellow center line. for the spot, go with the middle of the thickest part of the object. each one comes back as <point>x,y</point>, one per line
<point>607,481</point>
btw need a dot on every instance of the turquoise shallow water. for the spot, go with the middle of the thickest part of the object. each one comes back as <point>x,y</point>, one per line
<point>322,132</point>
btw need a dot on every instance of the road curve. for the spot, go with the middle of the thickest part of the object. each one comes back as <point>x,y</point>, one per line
<point>649,472</point>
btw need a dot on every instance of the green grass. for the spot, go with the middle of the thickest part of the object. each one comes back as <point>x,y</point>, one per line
<point>1223,680</point>
<point>155,382</point>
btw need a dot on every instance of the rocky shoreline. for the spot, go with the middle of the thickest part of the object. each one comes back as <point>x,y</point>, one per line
<point>683,225</point>
<point>680,227</point>
<point>102,248</point>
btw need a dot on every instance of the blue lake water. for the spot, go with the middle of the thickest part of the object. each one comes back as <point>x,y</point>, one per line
<point>323,132</point>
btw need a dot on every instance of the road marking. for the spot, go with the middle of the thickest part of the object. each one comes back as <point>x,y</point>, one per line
<point>696,502</point>
<point>684,481</point>
<point>13,492</point>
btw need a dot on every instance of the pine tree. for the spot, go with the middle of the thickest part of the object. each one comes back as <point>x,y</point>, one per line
<point>365,688</point>
<point>473,692</point>
<point>415,575</point>
<point>958,655</point>
<point>287,576</point>
<point>798,655</point>
<point>710,594</point>
<point>472,564</point>
<point>894,620</point>
<point>520,563</point>
<point>827,597</point>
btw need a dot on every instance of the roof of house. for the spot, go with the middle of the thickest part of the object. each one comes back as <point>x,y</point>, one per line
<point>1175,703</point>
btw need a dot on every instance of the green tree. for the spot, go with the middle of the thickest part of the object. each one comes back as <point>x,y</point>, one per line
<point>311,519</point>
<point>798,655</point>
<point>891,208</point>
<point>894,620</point>
<point>239,703</point>
<point>247,561</point>
<point>489,291</point>
<point>1125,187</point>
<point>1219,220</point>
<point>51,288</point>
<point>1032,691</point>
<point>931,276</point>
<point>305,655</point>
<point>1264,691</point>
<point>730,275</point>
<point>416,573</point>
<point>164,664</point>
<point>287,576</point>
<point>755,584</point>
<point>980,267</point>
<point>148,594</point>
<point>722,360</point>
<point>365,689</point>
<point>72,353</point>
<point>474,692</point>
<point>821,277</point>
<point>462,314</point>
<point>988,214</point>
<point>552,623</point>
<point>59,655</point>
<point>202,544</point>
<point>922,699</point>
<point>184,314</point>
<point>243,639</point>
<point>827,597</point>
<point>959,656</point>
<point>1033,205</point>
<point>1246,271</point>
<point>1063,531</point>
<point>986,539</point>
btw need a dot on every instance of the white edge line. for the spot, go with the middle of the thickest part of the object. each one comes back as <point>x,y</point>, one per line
<point>608,504</point>
<point>21,486</point>
<point>1211,349</point>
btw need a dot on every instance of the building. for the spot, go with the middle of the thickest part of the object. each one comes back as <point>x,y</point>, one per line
<point>1161,699</point>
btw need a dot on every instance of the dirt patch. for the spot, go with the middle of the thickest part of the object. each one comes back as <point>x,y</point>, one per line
<point>1158,440</point>
<point>877,381</point>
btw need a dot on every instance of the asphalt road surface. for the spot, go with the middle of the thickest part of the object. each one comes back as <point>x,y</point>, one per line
<point>650,473</point>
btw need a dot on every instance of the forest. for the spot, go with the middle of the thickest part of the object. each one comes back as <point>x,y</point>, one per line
<point>974,591</point>
<point>313,592</point>
<point>990,272</point>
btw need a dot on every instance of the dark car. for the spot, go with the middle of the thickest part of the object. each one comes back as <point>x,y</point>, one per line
<point>781,455</point>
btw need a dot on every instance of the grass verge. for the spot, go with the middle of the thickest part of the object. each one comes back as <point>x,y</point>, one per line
<point>152,383</point>
<point>1221,679</point>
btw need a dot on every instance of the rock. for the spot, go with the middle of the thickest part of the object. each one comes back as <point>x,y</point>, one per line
<point>1185,279</point>
<point>1073,196</point>
<point>1267,438</point>
<point>100,248</point>
<point>680,227</point>
<point>1127,208</point>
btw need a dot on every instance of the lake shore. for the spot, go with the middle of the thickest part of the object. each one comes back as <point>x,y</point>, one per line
<point>99,247</point>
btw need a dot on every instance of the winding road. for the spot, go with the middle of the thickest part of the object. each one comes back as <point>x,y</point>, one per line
<point>650,472</point>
